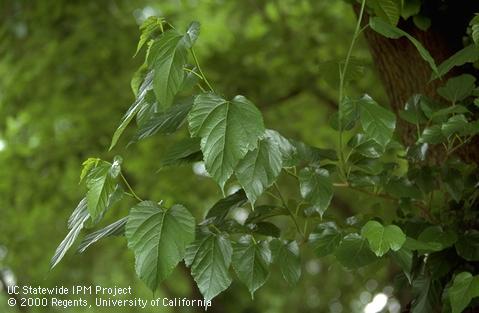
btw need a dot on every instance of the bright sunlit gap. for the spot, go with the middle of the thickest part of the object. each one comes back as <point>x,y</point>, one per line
<point>379,302</point>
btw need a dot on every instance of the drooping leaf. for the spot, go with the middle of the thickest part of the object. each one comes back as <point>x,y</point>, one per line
<point>316,188</point>
<point>287,149</point>
<point>145,87</point>
<point>192,33</point>
<point>168,55</point>
<point>210,258</point>
<point>469,54</point>
<point>457,88</point>
<point>382,238</point>
<point>353,252</point>
<point>325,239</point>
<point>389,31</point>
<point>164,122</point>
<point>377,122</point>
<point>259,168</point>
<point>262,212</point>
<point>186,151</point>
<point>412,110</point>
<point>101,184</point>
<point>286,256</point>
<point>159,238</point>
<point>403,257</point>
<point>220,209</point>
<point>427,293</point>
<point>465,287</point>
<point>251,262</point>
<point>113,229</point>
<point>75,224</point>
<point>457,124</point>
<point>228,130</point>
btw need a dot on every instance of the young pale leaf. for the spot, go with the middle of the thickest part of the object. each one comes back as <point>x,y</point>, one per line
<point>377,122</point>
<point>210,259</point>
<point>468,246</point>
<point>113,229</point>
<point>286,255</point>
<point>140,101</point>
<point>159,238</point>
<point>458,88</point>
<point>228,130</point>
<point>389,31</point>
<point>381,238</point>
<point>251,262</point>
<point>259,168</point>
<point>427,293</point>
<point>148,28</point>
<point>167,57</point>
<point>469,54</point>
<point>316,187</point>
<point>353,252</point>
<point>101,185</point>
<point>164,122</point>
<point>88,164</point>
<point>464,288</point>
<point>325,239</point>
<point>75,223</point>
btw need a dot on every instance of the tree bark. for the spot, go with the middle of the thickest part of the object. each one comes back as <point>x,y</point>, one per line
<point>404,73</point>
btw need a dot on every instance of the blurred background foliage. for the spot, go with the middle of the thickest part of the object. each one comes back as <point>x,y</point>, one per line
<point>65,70</point>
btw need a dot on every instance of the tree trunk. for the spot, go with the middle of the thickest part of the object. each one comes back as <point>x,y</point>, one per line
<point>404,73</point>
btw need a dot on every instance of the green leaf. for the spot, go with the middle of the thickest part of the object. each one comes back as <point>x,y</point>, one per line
<point>286,256</point>
<point>259,168</point>
<point>432,135</point>
<point>412,110</point>
<point>347,115</point>
<point>365,146</point>
<point>75,224</point>
<point>116,228</point>
<point>389,9</point>
<point>140,101</point>
<point>456,124</point>
<point>316,188</point>
<point>287,149</point>
<point>435,235</point>
<point>390,31</point>
<point>165,122</point>
<point>228,130</point>
<point>422,22</point>
<point>186,151</point>
<point>464,288</point>
<point>353,252</point>
<point>382,238</point>
<point>168,55</point>
<point>325,238</point>
<point>427,293</point>
<point>192,33</point>
<point>159,238</point>
<point>220,209</point>
<point>469,54</point>
<point>402,188</point>
<point>454,183</point>
<point>458,88</point>
<point>266,229</point>
<point>148,28</point>
<point>210,259</point>
<point>410,8</point>
<point>377,122</point>
<point>87,165</point>
<point>101,184</point>
<point>251,262</point>
<point>263,212</point>
<point>468,246</point>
